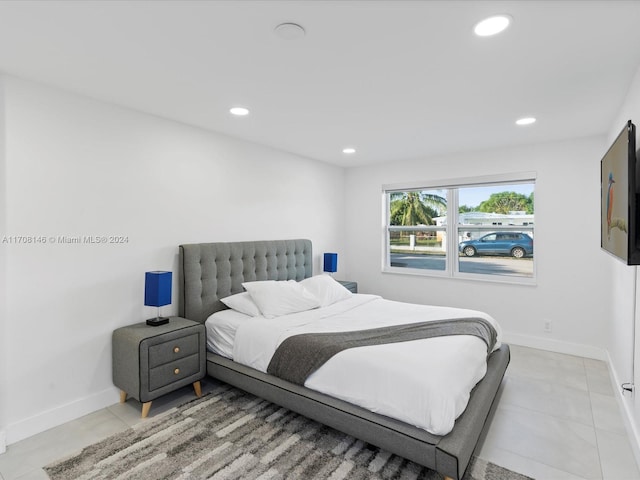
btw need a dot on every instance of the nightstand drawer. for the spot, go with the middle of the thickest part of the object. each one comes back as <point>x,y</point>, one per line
<point>173,350</point>
<point>172,372</point>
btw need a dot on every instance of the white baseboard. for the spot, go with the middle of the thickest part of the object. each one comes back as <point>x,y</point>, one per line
<point>626,408</point>
<point>59,415</point>
<point>557,346</point>
<point>3,441</point>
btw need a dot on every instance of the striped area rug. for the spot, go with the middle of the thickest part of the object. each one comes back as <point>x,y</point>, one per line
<point>230,434</point>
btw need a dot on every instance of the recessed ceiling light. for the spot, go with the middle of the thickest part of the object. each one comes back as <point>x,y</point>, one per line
<point>349,150</point>
<point>239,111</point>
<point>525,121</point>
<point>492,25</point>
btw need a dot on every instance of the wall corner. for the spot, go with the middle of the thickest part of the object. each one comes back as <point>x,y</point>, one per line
<point>3,266</point>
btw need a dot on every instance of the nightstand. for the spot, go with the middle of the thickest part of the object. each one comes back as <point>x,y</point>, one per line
<point>351,286</point>
<point>149,362</point>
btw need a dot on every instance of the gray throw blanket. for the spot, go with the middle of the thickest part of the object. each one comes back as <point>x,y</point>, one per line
<point>300,355</point>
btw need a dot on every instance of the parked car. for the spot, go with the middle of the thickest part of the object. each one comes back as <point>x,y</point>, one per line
<point>516,244</point>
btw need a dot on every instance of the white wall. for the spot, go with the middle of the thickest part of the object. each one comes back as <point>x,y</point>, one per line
<point>75,166</point>
<point>570,286</point>
<point>622,295</point>
<point>3,269</point>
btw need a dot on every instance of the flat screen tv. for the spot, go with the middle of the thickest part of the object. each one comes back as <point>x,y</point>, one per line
<point>619,198</point>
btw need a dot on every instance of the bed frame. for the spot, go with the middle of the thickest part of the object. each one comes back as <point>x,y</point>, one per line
<point>210,271</point>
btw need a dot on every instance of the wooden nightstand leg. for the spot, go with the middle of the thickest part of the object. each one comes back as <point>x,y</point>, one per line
<point>198,390</point>
<point>123,396</point>
<point>145,409</point>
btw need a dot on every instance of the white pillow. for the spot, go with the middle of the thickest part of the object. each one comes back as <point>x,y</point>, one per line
<point>275,298</point>
<point>243,303</point>
<point>326,289</point>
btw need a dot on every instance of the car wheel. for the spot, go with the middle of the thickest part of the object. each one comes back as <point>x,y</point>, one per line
<point>469,251</point>
<point>518,252</point>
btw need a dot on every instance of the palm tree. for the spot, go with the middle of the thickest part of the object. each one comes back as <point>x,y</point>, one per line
<point>415,208</point>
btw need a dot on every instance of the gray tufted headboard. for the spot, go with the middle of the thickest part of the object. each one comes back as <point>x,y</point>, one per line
<point>211,271</point>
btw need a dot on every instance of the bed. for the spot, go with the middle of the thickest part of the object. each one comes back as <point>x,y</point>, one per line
<point>212,271</point>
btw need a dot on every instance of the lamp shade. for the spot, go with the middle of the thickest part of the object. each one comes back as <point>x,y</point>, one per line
<point>157,288</point>
<point>330,262</point>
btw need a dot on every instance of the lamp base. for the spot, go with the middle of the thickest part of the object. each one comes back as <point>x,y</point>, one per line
<point>156,322</point>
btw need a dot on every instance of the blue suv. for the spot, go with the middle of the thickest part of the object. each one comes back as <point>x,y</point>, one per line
<point>516,244</point>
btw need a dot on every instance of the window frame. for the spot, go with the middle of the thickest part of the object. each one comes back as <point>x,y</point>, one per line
<point>452,265</point>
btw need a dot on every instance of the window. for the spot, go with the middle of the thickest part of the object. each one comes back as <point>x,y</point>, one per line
<point>481,229</point>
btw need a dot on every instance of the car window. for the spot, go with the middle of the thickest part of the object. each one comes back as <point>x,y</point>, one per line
<point>489,238</point>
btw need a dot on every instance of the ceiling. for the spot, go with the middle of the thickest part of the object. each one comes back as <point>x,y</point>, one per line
<point>394,79</point>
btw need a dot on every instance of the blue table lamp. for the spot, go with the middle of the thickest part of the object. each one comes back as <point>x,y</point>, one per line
<point>330,262</point>
<point>157,293</point>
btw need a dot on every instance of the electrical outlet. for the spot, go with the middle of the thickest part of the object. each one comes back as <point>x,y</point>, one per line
<point>547,326</point>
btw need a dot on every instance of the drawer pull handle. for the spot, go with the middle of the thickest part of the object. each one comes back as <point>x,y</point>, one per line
<point>176,371</point>
<point>176,349</point>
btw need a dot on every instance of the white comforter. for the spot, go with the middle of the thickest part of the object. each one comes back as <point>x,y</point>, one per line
<point>425,383</point>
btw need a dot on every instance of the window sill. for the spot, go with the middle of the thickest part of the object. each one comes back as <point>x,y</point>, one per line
<point>474,277</point>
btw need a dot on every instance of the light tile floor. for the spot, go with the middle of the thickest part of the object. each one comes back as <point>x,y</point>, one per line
<point>557,418</point>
